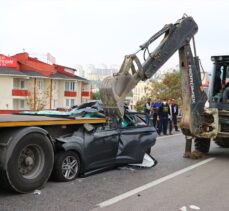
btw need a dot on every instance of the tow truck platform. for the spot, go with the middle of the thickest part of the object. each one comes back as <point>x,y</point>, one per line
<point>17,120</point>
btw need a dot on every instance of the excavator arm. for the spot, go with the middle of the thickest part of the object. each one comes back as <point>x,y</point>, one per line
<point>196,121</point>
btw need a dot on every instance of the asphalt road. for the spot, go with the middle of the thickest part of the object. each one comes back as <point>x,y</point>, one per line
<point>174,183</point>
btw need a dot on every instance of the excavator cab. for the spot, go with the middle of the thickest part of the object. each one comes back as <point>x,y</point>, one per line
<point>218,96</point>
<point>219,83</point>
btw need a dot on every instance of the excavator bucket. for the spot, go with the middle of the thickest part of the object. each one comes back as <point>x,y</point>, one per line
<point>113,90</point>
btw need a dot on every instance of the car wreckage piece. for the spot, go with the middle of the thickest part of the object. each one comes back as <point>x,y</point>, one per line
<point>148,162</point>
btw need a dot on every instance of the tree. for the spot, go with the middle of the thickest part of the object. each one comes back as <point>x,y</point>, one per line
<point>96,95</point>
<point>173,82</point>
<point>40,101</point>
<point>168,87</point>
<point>140,105</point>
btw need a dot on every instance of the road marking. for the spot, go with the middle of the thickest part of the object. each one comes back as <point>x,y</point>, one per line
<point>151,184</point>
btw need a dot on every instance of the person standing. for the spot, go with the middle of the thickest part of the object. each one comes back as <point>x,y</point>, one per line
<point>147,109</point>
<point>155,111</point>
<point>170,116</point>
<point>163,117</point>
<point>174,114</point>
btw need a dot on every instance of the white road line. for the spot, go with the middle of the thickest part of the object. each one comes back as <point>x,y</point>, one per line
<point>151,184</point>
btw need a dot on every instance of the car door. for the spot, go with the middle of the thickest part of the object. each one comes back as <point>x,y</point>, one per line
<point>135,139</point>
<point>101,146</point>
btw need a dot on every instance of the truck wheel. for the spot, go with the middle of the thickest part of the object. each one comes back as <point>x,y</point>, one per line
<point>30,164</point>
<point>222,142</point>
<point>66,167</point>
<point>202,144</point>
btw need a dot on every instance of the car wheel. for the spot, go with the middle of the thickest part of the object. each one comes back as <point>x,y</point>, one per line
<point>66,166</point>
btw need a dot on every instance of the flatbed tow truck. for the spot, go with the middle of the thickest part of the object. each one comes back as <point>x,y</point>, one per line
<point>27,148</point>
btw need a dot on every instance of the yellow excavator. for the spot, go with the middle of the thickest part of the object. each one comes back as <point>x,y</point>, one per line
<point>204,116</point>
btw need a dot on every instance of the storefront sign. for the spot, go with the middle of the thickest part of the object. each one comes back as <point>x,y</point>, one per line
<point>7,61</point>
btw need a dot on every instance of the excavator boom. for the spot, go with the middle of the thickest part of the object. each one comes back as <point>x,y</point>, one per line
<point>114,89</point>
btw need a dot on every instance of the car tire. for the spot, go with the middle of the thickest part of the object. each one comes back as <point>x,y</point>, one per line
<point>222,142</point>
<point>202,144</point>
<point>30,164</point>
<point>66,166</point>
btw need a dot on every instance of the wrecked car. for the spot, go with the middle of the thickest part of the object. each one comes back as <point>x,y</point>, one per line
<point>116,142</point>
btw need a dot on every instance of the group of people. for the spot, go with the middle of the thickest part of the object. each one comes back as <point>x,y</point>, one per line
<point>163,115</point>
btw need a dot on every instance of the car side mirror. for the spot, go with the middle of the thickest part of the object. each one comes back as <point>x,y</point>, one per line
<point>88,127</point>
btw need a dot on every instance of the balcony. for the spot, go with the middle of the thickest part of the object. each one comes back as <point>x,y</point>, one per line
<point>70,94</point>
<point>85,93</point>
<point>20,92</point>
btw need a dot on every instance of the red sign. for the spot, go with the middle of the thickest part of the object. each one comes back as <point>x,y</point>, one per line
<point>7,61</point>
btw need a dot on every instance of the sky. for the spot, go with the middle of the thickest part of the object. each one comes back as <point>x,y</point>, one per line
<point>104,31</point>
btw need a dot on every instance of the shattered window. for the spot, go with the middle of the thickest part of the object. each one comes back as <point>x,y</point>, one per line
<point>132,120</point>
<point>111,124</point>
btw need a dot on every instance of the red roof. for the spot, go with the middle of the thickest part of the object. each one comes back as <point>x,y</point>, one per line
<point>30,64</point>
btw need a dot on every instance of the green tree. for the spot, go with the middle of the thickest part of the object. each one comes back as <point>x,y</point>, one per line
<point>169,86</point>
<point>140,105</point>
<point>96,95</point>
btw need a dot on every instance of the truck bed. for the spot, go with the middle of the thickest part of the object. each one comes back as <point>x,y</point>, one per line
<point>12,120</point>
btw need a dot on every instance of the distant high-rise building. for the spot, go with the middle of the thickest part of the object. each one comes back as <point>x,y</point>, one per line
<point>80,71</point>
<point>98,73</point>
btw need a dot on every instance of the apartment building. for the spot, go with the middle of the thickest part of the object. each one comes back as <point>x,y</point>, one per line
<point>138,93</point>
<point>29,84</point>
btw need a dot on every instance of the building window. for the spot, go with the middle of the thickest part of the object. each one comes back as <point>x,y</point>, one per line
<point>86,87</point>
<point>22,104</point>
<point>69,70</point>
<point>70,86</point>
<point>84,100</point>
<point>40,84</point>
<point>19,104</point>
<point>55,104</point>
<point>70,102</point>
<point>54,85</point>
<point>19,83</point>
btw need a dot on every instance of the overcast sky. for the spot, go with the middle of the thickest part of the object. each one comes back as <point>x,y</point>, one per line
<point>103,31</point>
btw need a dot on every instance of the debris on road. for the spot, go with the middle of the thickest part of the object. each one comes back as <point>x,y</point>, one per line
<point>126,168</point>
<point>184,208</point>
<point>194,207</point>
<point>37,192</point>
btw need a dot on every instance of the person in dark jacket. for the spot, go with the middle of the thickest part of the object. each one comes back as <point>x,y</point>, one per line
<point>170,118</point>
<point>174,114</point>
<point>163,117</point>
